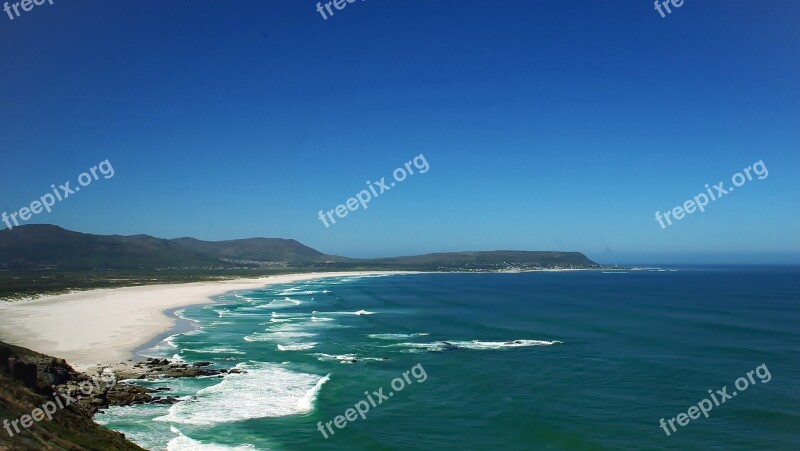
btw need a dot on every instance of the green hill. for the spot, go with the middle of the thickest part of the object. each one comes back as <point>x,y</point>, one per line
<point>35,247</point>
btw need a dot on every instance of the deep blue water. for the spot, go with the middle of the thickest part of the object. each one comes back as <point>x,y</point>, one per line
<point>562,361</point>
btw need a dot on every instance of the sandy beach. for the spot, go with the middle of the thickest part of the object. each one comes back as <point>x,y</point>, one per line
<point>104,326</point>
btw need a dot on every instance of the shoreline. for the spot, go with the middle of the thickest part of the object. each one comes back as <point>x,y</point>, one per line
<point>181,326</point>
<point>108,326</point>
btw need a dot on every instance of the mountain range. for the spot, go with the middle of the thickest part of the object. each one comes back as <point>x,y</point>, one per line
<point>37,246</point>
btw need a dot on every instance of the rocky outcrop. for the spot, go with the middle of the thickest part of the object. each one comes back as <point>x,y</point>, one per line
<point>46,375</point>
<point>163,368</point>
<point>28,381</point>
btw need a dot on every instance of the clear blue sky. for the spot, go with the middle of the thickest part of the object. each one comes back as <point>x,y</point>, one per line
<point>548,125</point>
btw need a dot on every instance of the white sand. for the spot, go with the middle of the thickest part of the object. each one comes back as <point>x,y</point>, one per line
<point>105,326</point>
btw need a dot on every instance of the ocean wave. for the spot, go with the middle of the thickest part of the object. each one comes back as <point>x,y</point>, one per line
<point>421,347</point>
<point>249,300</point>
<point>360,313</point>
<point>305,325</point>
<point>141,431</point>
<point>296,347</point>
<point>490,345</point>
<point>291,291</point>
<point>162,349</point>
<point>397,336</point>
<point>181,313</point>
<point>476,345</point>
<point>217,350</point>
<point>264,390</point>
<point>225,313</point>
<point>346,358</point>
<point>288,315</point>
<point>308,400</point>
<point>170,341</point>
<point>281,303</point>
<point>317,319</point>
<point>277,336</point>
<point>184,443</point>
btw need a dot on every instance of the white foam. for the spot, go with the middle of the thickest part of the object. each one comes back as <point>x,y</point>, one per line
<point>225,313</point>
<point>490,345</point>
<point>422,347</point>
<point>303,325</point>
<point>218,350</point>
<point>344,358</point>
<point>141,429</point>
<point>288,315</point>
<point>182,315</point>
<point>264,390</point>
<point>163,349</point>
<point>249,300</point>
<point>184,443</point>
<point>296,347</point>
<point>307,402</point>
<point>170,341</point>
<point>277,336</point>
<point>474,345</point>
<point>396,336</point>
<point>360,312</point>
<point>195,331</point>
<point>292,291</point>
<point>281,303</point>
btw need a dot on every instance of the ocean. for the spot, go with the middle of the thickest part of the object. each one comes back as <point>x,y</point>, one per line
<point>570,360</point>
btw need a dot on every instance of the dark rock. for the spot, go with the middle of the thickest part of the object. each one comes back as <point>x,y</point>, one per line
<point>5,354</point>
<point>25,372</point>
<point>167,400</point>
<point>126,395</point>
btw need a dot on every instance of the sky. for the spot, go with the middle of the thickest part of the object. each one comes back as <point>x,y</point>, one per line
<point>545,125</point>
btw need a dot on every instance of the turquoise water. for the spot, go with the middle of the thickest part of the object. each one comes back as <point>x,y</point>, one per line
<point>567,360</point>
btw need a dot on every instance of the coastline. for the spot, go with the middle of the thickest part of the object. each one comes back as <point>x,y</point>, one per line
<point>108,326</point>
